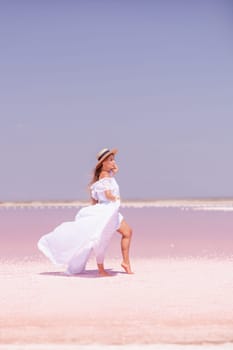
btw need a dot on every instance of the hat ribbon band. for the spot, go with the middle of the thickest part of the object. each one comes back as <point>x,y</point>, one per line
<point>102,155</point>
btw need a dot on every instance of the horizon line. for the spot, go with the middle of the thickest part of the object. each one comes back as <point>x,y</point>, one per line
<point>205,202</point>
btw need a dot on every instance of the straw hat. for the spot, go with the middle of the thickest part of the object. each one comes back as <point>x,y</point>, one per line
<point>103,154</point>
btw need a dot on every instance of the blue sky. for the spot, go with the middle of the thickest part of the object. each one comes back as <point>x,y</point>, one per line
<point>151,78</point>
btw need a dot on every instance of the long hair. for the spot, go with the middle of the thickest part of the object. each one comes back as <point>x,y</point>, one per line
<point>95,177</point>
<point>96,174</point>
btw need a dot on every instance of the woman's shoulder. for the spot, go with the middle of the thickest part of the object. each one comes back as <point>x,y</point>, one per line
<point>104,174</point>
<point>103,181</point>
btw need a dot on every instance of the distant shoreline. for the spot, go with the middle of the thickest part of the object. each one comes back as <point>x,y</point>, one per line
<point>160,203</point>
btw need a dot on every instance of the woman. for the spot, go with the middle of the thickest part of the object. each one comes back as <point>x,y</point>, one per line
<point>71,243</point>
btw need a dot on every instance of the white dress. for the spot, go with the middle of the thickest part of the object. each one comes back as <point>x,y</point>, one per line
<point>71,243</point>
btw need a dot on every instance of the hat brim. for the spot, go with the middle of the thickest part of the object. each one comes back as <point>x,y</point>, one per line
<point>112,151</point>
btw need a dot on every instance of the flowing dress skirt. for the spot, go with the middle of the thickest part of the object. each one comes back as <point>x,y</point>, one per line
<point>71,243</point>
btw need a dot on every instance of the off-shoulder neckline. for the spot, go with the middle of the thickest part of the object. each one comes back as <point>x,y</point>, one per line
<point>106,177</point>
<point>103,178</point>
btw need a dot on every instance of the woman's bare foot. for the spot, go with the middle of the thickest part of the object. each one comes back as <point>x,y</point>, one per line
<point>127,268</point>
<point>104,273</point>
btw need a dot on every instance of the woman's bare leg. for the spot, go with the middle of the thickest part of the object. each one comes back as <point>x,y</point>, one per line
<point>126,233</point>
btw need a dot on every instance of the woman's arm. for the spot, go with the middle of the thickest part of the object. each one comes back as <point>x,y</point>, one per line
<point>110,196</point>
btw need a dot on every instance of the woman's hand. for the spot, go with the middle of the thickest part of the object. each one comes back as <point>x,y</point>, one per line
<point>110,196</point>
<point>115,169</point>
<point>93,201</point>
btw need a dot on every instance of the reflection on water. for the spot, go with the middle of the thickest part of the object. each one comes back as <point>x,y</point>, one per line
<point>157,231</point>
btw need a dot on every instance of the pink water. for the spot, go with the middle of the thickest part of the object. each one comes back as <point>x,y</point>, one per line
<point>158,232</point>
